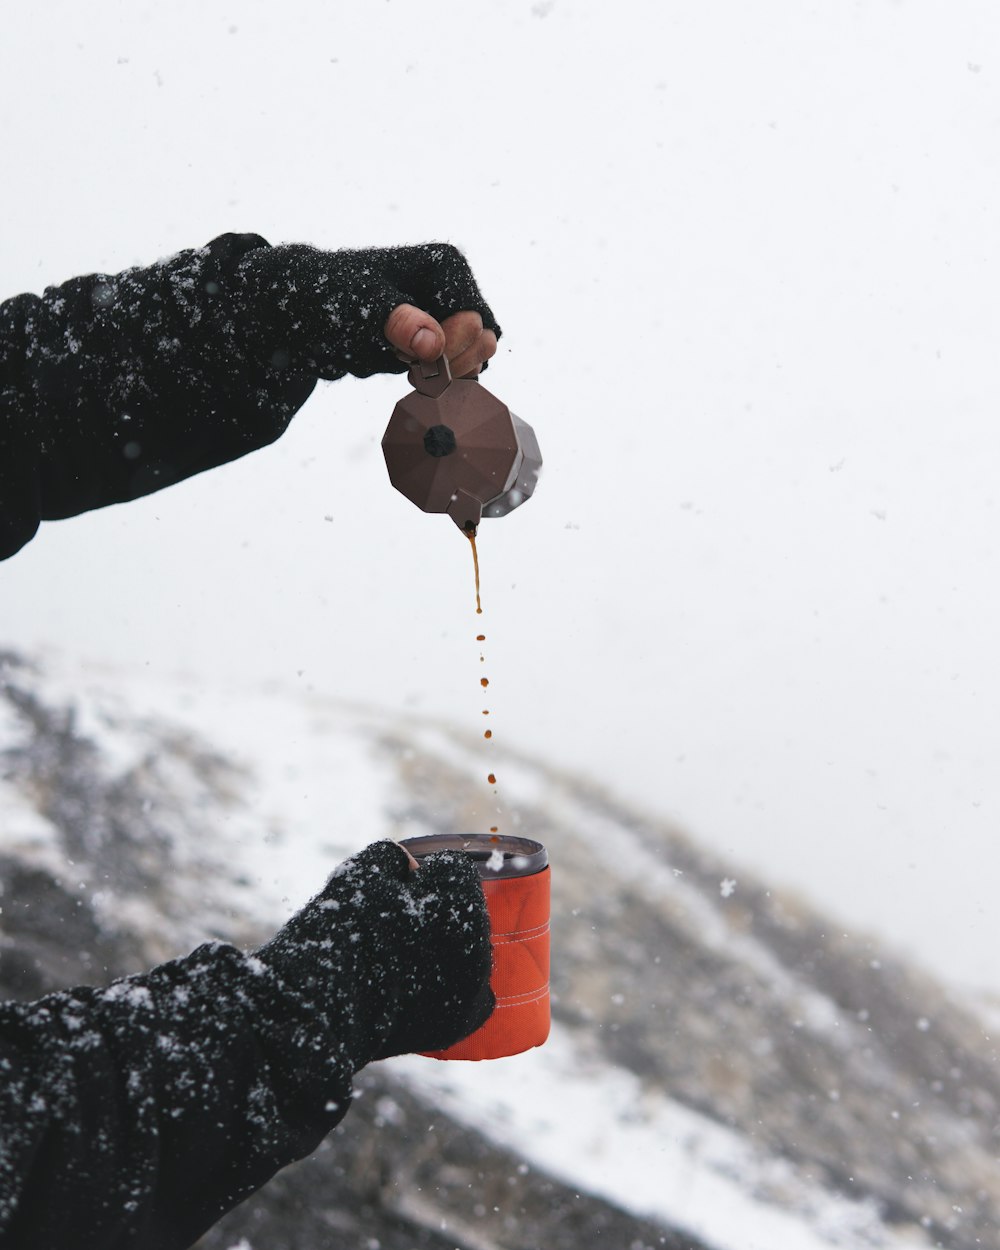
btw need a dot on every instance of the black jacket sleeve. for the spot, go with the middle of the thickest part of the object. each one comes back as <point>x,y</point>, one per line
<point>113,386</point>
<point>132,1117</point>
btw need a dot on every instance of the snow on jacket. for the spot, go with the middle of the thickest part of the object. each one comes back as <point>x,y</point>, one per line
<point>135,1115</point>
<point>114,386</point>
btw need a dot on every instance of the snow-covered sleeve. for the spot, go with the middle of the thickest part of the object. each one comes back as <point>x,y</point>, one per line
<point>134,1116</point>
<point>113,386</point>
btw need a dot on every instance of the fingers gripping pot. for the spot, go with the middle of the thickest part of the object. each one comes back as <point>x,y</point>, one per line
<point>515,876</point>
<point>450,446</point>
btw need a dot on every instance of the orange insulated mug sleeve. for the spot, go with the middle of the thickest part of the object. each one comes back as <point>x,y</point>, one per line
<point>519,929</point>
<point>516,879</point>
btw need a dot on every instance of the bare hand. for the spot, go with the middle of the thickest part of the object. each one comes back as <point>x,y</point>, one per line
<point>413,863</point>
<point>417,336</point>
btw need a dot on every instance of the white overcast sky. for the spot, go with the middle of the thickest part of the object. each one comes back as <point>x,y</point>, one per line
<point>745,256</point>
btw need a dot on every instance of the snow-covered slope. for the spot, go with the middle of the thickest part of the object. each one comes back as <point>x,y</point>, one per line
<point>725,1070</point>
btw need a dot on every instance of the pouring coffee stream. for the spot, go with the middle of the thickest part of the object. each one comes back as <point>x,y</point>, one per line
<point>483,681</point>
<point>450,446</point>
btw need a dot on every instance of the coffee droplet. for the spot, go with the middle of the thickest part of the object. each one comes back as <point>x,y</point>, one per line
<point>483,681</point>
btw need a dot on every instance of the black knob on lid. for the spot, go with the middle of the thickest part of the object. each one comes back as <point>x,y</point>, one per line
<point>440,441</point>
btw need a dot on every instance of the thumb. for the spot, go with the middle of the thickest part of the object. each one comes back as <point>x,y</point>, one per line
<point>414,333</point>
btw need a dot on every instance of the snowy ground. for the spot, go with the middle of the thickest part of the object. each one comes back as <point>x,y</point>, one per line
<point>650,1154</point>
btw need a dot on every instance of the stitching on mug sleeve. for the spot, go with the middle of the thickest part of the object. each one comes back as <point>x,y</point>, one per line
<point>538,931</point>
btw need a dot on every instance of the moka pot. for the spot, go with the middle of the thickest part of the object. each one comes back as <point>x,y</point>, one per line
<point>450,446</point>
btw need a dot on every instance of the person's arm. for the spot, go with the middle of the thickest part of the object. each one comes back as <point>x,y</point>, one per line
<point>136,1115</point>
<point>114,386</point>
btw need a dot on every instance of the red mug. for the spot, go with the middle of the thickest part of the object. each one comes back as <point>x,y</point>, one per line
<point>515,876</point>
